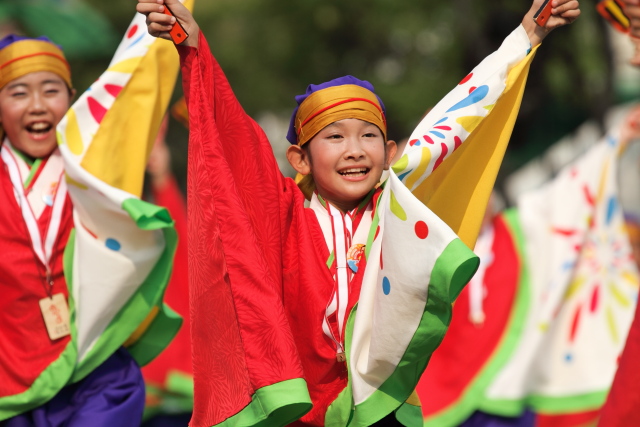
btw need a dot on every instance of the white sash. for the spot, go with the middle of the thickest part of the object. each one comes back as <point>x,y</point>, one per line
<point>42,245</point>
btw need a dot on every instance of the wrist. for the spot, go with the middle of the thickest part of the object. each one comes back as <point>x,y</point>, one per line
<point>535,33</point>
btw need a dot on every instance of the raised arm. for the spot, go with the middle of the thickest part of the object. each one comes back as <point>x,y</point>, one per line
<point>245,149</point>
<point>480,112</point>
<point>462,110</point>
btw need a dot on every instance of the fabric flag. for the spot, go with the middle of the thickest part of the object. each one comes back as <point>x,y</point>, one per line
<point>469,352</point>
<point>254,266</point>
<point>572,308</point>
<point>458,189</point>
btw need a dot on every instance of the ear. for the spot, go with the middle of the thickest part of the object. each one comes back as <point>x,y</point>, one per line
<point>299,159</point>
<point>390,148</point>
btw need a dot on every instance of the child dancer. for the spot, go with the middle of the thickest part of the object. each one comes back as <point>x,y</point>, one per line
<point>328,314</point>
<point>84,261</point>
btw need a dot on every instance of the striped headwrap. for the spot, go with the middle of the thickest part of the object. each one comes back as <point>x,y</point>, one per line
<point>342,98</point>
<point>22,55</point>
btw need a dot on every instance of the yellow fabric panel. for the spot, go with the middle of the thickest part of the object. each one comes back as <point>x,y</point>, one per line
<point>413,399</point>
<point>118,153</point>
<point>458,191</point>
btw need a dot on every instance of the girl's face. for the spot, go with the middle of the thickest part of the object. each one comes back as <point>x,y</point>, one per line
<point>346,159</point>
<point>30,108</point>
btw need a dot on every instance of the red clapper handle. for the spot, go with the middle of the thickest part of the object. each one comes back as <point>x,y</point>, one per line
<point>543,14</point>
<point>177,33</point>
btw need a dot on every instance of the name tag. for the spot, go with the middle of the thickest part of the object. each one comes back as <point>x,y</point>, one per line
<point>56,316</point>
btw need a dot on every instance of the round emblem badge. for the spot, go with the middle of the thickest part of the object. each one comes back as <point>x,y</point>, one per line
<point>353,256</point>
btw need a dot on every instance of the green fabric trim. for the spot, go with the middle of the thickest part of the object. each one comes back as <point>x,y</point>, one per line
<point>503,407</point>
<point>168,401</point>
<point>561,405</point>
<point>332,257</point>
<point>180,383</point>
<point>473,398</point>
<point>28,160</point>
<point>274,405</point>
<point>35,165</point>
<point>453,269</point>
<point>55,376</point>
<point>158,335</point>
<point>372,230</point>
<point>409,415</point>
<point>44,388</point>
<point>546,404</point>
<point>148,295</point>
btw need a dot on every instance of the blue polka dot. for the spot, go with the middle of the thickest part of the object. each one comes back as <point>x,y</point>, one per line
<point>113,244</point>
<point>568,358</point>
<point>386,286</point>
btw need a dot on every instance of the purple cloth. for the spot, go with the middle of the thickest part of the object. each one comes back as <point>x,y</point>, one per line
<point>12,38</point>
<point>112,395</point>
<point>482,419</point>
<point>292,136</point>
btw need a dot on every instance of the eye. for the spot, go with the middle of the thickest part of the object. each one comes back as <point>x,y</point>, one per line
<point>18,94</point>
<point>334,136</point>
<point>52,91</point>
<point>370,135</point>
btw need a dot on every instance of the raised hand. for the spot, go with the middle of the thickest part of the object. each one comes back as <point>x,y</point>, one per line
<point>564,12</point>
<point>159,24</point>
<point>632,10</point>
<point>630,128</point>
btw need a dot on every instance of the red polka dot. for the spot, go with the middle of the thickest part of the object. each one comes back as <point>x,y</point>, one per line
<point>132,31</point>
<point>466,79</point>
<point>421,229</point>
<point>97,110</point>
<point>113,90</point>
<point>377,232</point>
<point>413,142</point>
<point>472,89</point>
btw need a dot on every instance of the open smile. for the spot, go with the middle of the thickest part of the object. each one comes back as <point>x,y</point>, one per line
<point>39,130</point>
<point>354,172</point>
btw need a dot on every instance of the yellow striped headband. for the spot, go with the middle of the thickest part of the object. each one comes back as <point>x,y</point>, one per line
<point>326,106</point>
<point>20,56</point>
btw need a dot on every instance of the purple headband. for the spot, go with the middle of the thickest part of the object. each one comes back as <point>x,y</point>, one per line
<point>292,136</point>
<point>12,38</point>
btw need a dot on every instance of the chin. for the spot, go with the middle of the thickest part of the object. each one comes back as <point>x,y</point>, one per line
<point>39,150</point>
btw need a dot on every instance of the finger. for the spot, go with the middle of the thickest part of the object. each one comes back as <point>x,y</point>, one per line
<point>571,15</point>
<point>160,19</point>
<point>632,12</point>
<point>570,5</point>
<point>147,8</point>
<point>157,30</point>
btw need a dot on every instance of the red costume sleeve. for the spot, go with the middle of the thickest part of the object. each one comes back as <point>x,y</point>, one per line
<point>245,360</point>
<point>623,403</point>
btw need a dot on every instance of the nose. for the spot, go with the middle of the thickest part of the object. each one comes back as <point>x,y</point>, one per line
<point>353,149</point>
<point>37,104</point>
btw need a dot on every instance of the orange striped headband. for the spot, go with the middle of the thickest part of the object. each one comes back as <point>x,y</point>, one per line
<point>326,106</point>
<point>26,56</point>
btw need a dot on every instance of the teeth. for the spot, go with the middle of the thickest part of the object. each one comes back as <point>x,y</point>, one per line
<point>354,171</point>
<point>40,126</point>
